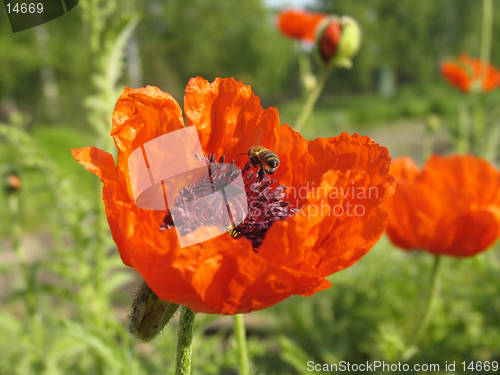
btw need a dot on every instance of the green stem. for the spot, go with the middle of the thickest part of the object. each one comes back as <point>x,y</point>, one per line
<point>31,298</point>
<point>431,302</point>
<point>463,143</point>
<point>36,328</point>
<point>184,342</point>
<point>95,29</point>
<point>427,146</point>
<point>486,33</point>
<point>481,138</point>
<point>311,100</point>
<point>16,227</point>
<point>479,127</point>
<point>304,71</point>
<point>241,339</point>
<point>99,270</point>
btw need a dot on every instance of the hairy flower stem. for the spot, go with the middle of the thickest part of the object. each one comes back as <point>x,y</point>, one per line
<point>36,327</point>
<point>479,119</point>
<point>463,141</point>
<point>184,342</point>
<point>99,271</point>
<point>312,99</point>
<point>31,299</point>
<point>241,340</point>
<point>486,35</point>
<point>431,303</point>
<point>427,145</point>
<point>304,72</point>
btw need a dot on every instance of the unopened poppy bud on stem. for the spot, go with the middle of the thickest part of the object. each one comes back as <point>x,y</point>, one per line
<point>149,314</point>
<point>338,41</point>
<point>433,123</point>
<point>11,181</point>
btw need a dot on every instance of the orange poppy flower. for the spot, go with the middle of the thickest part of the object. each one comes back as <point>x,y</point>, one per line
<point>451,207</point>
<point>471,74</point>
<point>299,24</point>
<point>265,263</point>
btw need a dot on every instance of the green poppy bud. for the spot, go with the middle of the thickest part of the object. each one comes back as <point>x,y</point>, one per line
<point>149,314</point>
<point>433,123</point>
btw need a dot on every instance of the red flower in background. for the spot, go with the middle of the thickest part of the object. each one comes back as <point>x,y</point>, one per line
<point>471,74</point>
<point>300,24</point>
<point>267,262</point>
<point>450,207</point>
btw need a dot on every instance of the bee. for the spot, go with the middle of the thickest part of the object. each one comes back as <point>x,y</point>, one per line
<point>263,158</point>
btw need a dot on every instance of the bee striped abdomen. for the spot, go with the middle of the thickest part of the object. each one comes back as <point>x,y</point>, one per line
<point>269,158</point>
<point>264,160</point>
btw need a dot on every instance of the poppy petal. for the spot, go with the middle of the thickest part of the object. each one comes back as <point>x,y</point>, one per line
<point>117,203</point>
<point>141,115</point>
<point>451,207</point>
<point>469,73</point>
<point>457,76</point>
<point>300,24</point>
<point>228,116</point>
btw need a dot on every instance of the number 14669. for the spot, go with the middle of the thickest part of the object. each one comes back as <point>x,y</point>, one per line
<point>480,366</point>
<point>25,8</point>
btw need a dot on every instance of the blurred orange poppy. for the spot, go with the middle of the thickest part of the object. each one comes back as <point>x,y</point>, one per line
<point>300,24</point>
<point>288,252</point>
<point>451,207</point>
<point>471,74</point>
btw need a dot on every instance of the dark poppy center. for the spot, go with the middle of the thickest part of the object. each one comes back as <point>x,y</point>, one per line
<point>263,204</point>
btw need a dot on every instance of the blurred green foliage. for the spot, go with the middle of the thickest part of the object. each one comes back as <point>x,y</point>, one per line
<point>177,40</point>
<point>411,37</point>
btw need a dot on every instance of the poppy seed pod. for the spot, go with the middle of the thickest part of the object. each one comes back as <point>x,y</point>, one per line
<point>338,41</point>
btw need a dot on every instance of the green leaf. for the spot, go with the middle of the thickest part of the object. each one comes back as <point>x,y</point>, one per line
<point>292,354</point>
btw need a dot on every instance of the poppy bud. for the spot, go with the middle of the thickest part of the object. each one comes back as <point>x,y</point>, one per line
<point>329,42</point>
<point>11,180</point>
<point>149,314</point>
<point>433,123</point>
<point>338,41</point>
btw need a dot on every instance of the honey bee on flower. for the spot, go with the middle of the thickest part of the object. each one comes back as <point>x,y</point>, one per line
<point>263,158</point>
